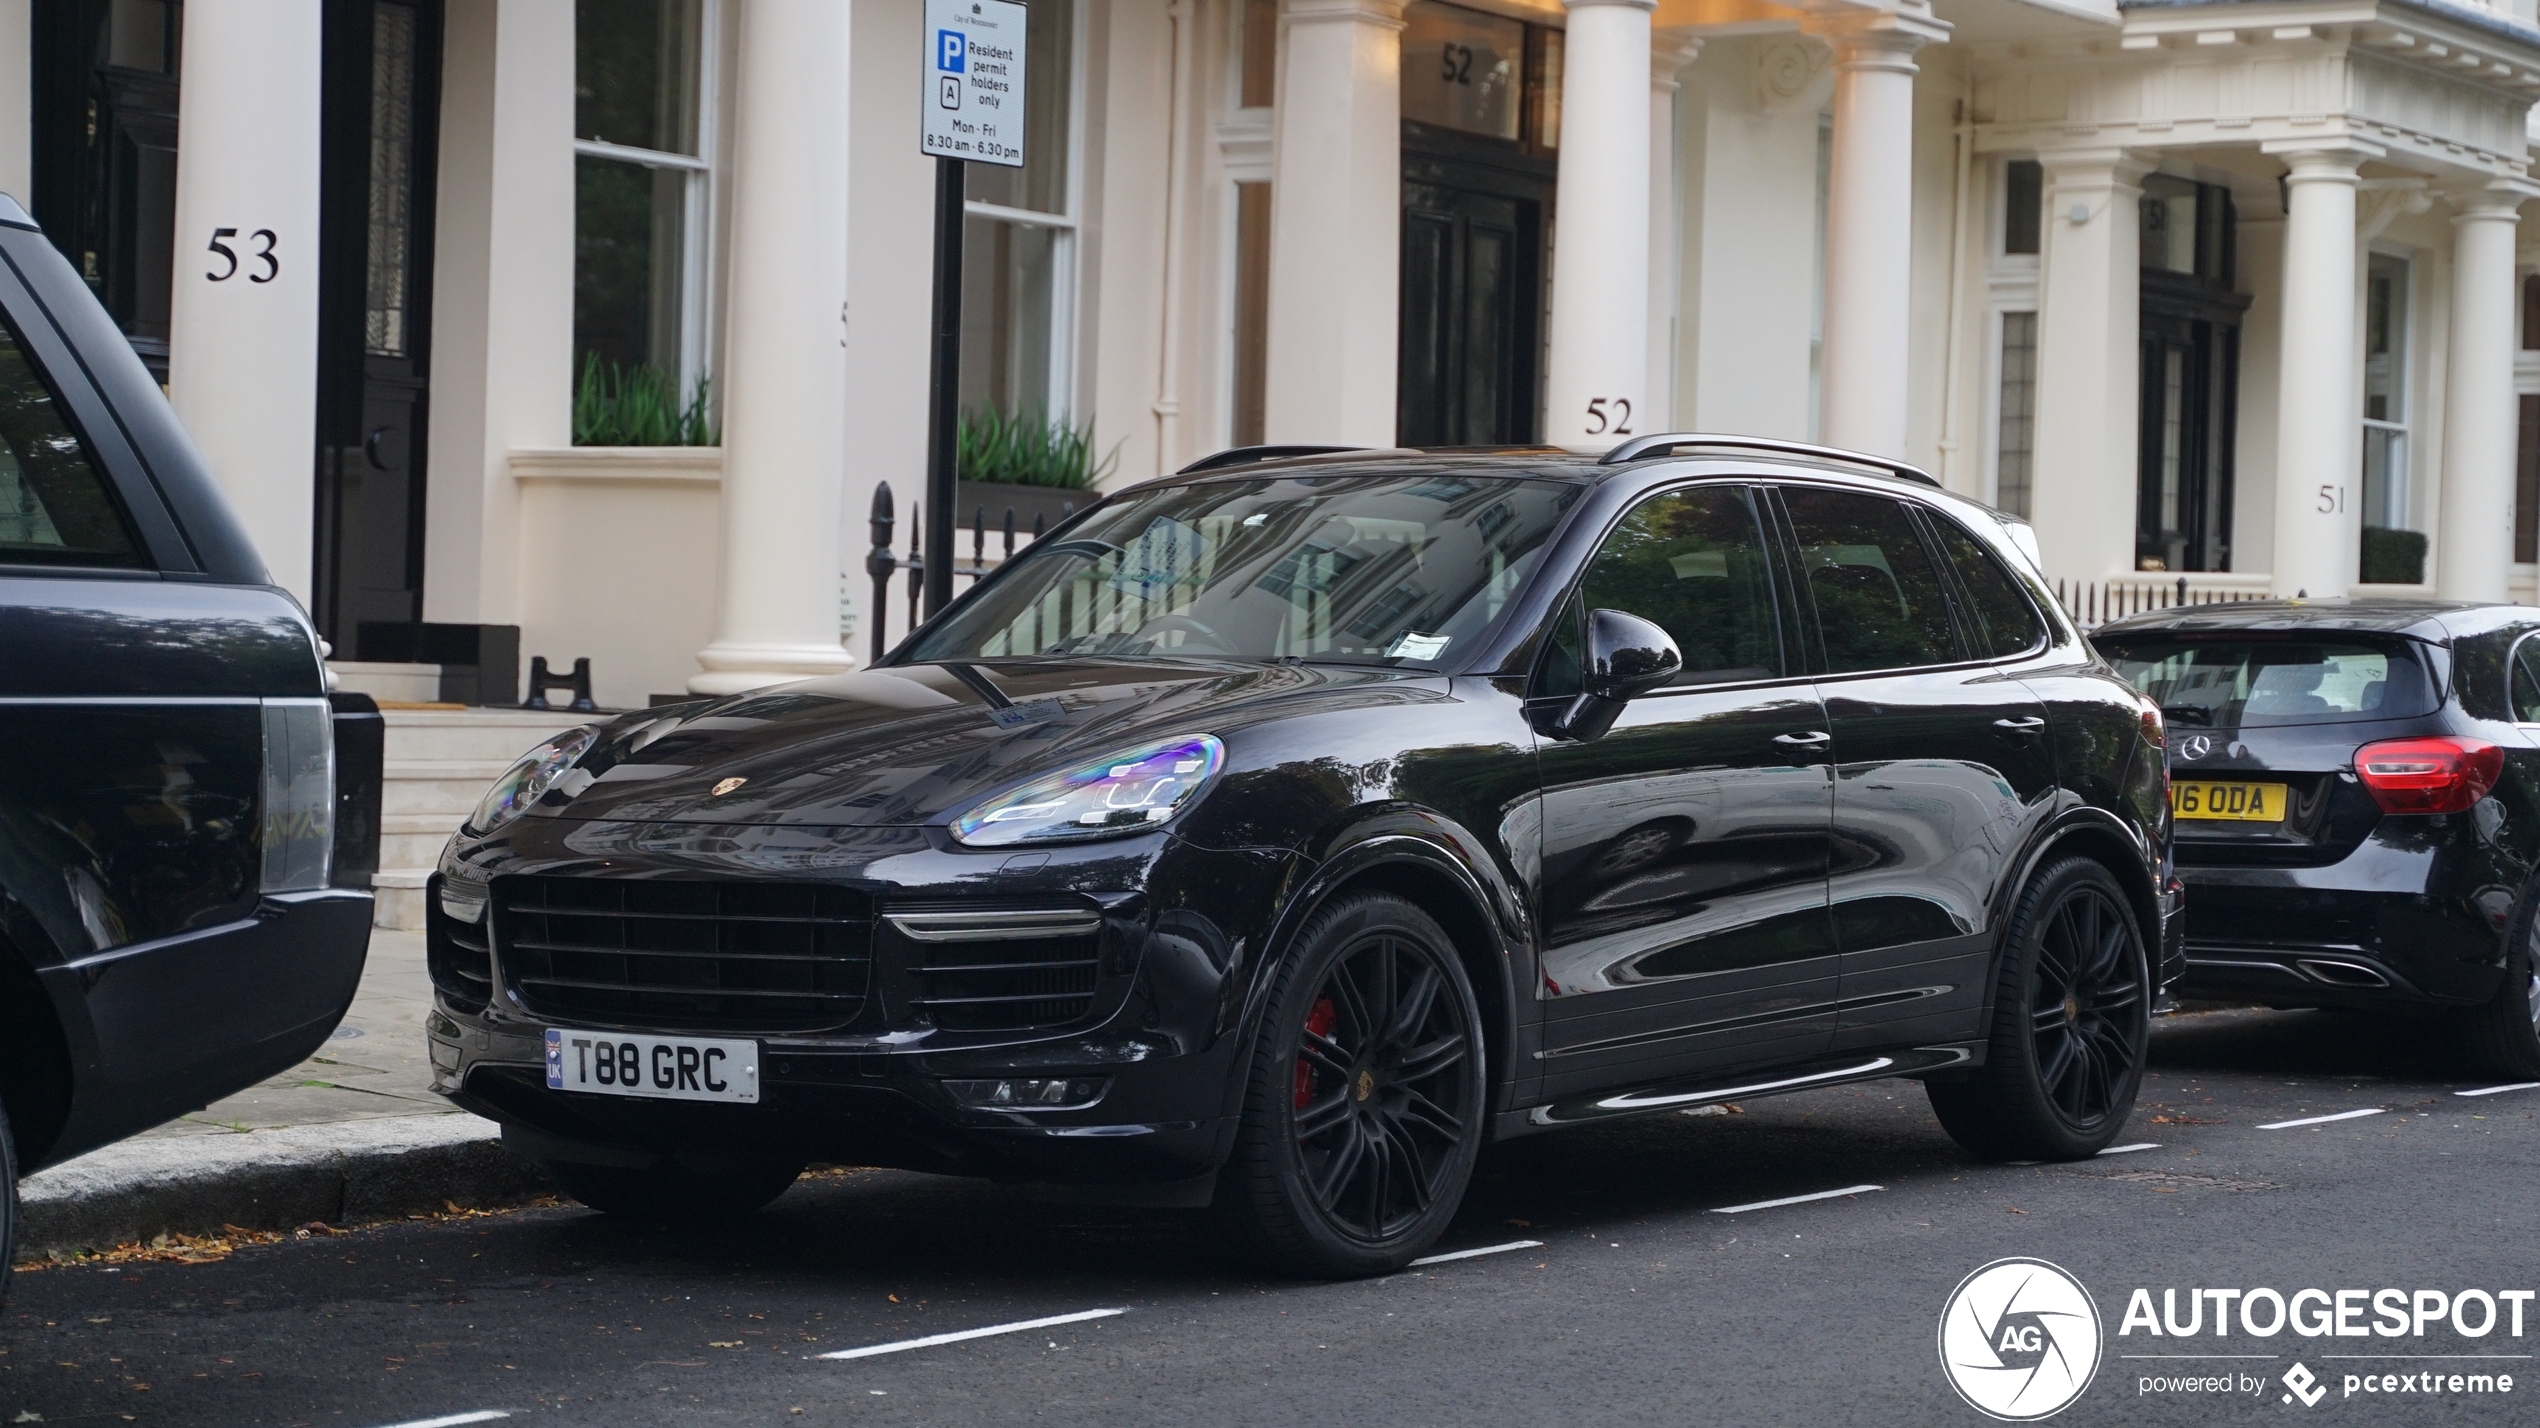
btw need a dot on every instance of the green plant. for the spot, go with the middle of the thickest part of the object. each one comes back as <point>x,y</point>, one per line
<point>1027,448</point>
<point>2393,557</point>
<point>638,406</point>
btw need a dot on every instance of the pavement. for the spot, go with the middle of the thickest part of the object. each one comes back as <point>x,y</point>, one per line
<point>1656,1271</point>
<point>351,1135</point>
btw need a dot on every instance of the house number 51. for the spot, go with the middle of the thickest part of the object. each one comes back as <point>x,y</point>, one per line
<point>229,256</point>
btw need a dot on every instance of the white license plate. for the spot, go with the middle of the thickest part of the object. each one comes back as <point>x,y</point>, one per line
<point>676,1068</point>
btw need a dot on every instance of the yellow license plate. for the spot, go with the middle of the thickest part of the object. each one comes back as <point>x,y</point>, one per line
<point>2237,802</point>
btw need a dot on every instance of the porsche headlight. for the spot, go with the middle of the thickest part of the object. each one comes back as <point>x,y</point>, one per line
<point>1132,790</point>
<point>529,779</point>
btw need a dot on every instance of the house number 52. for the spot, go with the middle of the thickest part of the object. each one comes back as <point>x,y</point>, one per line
<point>229,256</point>
<point>1609,416</point>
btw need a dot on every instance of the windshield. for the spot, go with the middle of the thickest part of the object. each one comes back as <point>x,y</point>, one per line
<point>1404,571</point>
<point>2227,684</point>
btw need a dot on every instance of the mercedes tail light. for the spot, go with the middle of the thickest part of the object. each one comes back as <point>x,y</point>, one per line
<point>2444,774</point>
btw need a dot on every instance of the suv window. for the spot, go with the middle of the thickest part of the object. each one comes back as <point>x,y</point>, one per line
<point>1692,562</point>
<point>1879,597</point>
<point>2526,680</point>
<point>2004,623</point>
<point>55,506</point>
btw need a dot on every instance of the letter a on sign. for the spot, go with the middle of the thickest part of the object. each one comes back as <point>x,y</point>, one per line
<point>973,106</point>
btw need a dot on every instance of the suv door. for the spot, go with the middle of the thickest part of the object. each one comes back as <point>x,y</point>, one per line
<point>1684,852</point>
<point>1943,768</point>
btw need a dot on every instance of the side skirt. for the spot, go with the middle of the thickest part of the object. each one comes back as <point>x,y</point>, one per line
<point>1687,1094</point>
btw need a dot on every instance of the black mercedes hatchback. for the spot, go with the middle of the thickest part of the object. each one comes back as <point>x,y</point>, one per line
<point>2358,804</point>
<point>1275,835</point>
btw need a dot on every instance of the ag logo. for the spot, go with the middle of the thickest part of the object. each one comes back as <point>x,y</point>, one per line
<point>2019,1339</point>
<point>2196,747</point>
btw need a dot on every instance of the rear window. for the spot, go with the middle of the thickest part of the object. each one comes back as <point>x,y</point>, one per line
<point>2231,684</point>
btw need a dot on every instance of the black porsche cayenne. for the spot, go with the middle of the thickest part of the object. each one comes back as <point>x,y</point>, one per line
<point>2358,803</point>
<point>1275,835</point>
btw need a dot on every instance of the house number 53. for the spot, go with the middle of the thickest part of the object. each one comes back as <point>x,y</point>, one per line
<point>1609,416</point>
<point>229,256</point>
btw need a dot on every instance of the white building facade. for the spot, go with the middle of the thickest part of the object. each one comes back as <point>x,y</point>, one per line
<point>2232,295</point>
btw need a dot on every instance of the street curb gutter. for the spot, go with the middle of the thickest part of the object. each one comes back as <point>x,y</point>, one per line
<point>342,1173</point>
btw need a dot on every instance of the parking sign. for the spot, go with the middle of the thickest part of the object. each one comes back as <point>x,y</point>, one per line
<point>974,81</point>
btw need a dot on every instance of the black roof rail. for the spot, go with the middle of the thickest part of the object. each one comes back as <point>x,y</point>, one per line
<point>1644,446</point>
<point>1246,455</point>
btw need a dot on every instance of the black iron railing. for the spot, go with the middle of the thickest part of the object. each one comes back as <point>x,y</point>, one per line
<point>882,562</point>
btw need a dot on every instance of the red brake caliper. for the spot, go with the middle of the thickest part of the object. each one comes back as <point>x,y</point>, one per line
<point>1318,1021</point>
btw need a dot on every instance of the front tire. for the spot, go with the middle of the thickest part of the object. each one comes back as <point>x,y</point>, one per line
<point>2504,1035</point>
<point>672,1192</point>
<point>1365,1104</point>
<point>2071,1025</point>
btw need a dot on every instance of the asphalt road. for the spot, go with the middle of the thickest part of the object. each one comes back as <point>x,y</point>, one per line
<point>1641,1304</point>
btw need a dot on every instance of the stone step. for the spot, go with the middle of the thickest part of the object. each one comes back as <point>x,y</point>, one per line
<point>405,683</point>
<point>470,733</point>
<point>397,898</point>
<point>437,786</point>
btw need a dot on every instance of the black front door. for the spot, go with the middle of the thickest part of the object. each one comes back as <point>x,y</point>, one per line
<point>2183,449</point>
<point>382,90</point>
<point>1685,852</point>
<point>103,125</point>
<point>1472,292</point>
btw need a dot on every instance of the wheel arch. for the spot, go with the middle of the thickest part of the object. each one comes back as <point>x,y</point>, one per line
<point>36,1066</point>
<point>2094,834</point>
<point>1474,908</point>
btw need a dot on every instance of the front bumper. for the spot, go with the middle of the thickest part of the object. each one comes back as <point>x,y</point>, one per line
<point>1180,939</point>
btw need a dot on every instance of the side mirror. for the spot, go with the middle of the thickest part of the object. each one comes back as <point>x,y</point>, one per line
<point>1627,656</point>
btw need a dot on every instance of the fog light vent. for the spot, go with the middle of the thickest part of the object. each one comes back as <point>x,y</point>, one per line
<point>1037,1094</point>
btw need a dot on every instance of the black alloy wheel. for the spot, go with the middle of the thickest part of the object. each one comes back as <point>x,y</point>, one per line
<point>2071,1026</point>
<point>1365,1108</point>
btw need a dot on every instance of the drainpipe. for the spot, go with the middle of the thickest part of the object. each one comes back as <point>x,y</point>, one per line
<point>1168,385</point>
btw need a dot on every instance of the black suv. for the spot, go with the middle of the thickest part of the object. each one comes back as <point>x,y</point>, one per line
<point>1275,835</point>
<point>172,927</point>
<point>2358,803</point>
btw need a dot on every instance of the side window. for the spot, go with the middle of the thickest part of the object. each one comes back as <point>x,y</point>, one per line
<point>55,506</point>
<point>2526,680</point>
<point>1879,596</point>
<point>1693,563</point>
<point>2005,623</point>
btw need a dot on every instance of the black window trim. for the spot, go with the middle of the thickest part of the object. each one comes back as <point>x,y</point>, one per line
<point>1795,662</point>
<point>2513,657</point>
<point>1970,621</point>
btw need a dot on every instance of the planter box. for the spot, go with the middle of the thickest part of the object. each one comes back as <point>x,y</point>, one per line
<point>995,499</point>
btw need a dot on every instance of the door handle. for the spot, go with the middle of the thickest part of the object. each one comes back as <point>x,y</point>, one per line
<point>2021,726</point>
<point>1812,739</point>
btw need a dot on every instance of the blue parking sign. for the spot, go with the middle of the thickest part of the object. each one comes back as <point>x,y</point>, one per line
<point>952,51</point>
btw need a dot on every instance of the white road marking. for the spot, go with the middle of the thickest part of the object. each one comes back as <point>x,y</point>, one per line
<point>2131,1149</point>
<point>2322,1120</point>
<point>1473,1253</point>
<point>2500,1090</point>
<point>1796,1199</point>
<point>991,1331</point>
<point>482,1415</point>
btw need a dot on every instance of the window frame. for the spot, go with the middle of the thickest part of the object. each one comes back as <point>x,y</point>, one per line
<point>1960,629</point>
<point>1970,622</point>
<point>2513,660</point>
<point>2400,433</point>
<point>701,200</point>
<point>1568,597</point>
<point>1065,228</point>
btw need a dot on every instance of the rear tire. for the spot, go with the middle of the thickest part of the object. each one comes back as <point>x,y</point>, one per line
<point>673,1192</point>
<point>1365,1103</point>
<point>2071,1025</point>
<point>8,1205</point>
<point>2504,1035</point>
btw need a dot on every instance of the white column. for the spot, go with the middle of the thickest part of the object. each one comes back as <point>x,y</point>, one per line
<point>1336,223</point>
<point>784,362</point>
<point>1596,386</point>
<point>242,330</point>
<point>1869,227</point>
<point>2081,497</point>
<point>1670,50</point>
<point>2474,551</point>
<point>2318,522</point>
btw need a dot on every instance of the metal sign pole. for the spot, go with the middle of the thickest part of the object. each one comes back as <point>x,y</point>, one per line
<point>943,395</point>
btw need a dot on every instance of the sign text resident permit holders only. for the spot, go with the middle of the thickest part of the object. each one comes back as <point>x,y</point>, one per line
<point>974,81</point>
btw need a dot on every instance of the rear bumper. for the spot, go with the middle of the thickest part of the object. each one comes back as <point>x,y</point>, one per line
<point>2405,918</point>
<point>169,1027</point>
